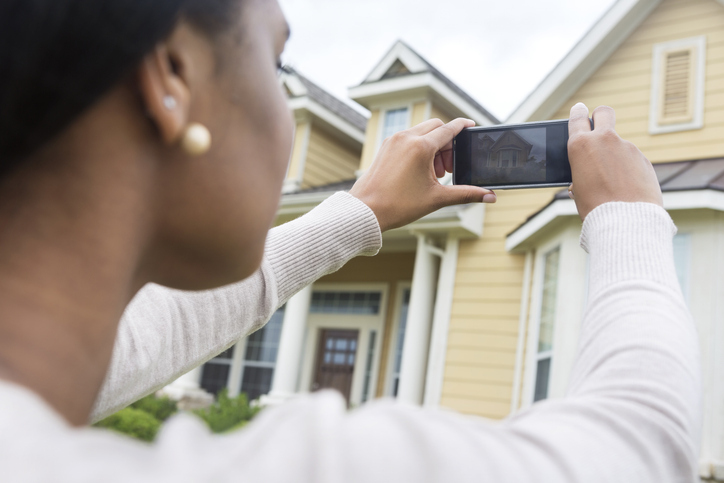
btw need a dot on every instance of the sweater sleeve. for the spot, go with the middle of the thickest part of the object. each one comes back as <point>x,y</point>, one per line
<point>164,333</point>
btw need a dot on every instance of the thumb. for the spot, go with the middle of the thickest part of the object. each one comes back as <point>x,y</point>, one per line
<point>461,194</point>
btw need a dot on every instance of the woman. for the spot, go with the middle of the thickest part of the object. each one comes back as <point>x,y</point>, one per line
<point>146,142</point>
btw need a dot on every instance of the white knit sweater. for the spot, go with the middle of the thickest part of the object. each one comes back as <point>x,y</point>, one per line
<point>632,412</point>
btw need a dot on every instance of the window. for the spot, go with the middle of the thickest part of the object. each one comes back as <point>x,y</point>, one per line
<point>215,373</point>
<point>508,158</point>
<point>260,357</point>
<point>404,309</point>
<point>677,86</point>
<point>395,121</point>
<point>363,303</point>
<point>249,365</point>
<point>547,321</point>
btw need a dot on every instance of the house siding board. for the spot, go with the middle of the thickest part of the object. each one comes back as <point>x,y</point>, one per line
<point>328,160</point>
<point>624,81</point>
<point>486,310</point>
<point>437,113</point>
<point>419,111</point>
<point>391,269</point>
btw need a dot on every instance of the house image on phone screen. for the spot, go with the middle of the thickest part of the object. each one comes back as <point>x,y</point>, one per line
<point>477,308</point>
<point>510,150</point>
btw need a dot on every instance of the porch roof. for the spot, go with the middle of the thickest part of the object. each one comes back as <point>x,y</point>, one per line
<point>693,184</point>
<point>461,221</point>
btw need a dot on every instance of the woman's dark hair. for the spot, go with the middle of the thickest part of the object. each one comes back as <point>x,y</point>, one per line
<point>57,57</point>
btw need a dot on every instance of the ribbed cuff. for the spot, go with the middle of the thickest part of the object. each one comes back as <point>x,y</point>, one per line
<point>321,242</point>
<point>629,241</point>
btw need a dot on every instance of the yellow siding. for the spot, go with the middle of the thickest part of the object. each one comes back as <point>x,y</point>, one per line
<point>300,136</point>
<point>436,112</point>
<point>624,82</point>
<point>419,113</point>
<point>486,310</point>
<point>328,160</point>
<point>371,135</point>
<point>388,268</point>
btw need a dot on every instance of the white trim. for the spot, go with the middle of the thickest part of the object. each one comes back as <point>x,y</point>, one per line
<point>441,322</point>
<point>584,59</point>
<point>324,114</point>
<point>424,81</point>
<point>363,323</point>
<point>400,52</point>
<point>522,323</point>
<point>698,46</point>
<point>394,336</point>
<point>237,368</point>
<point>673,200</point>
<point>464,221</point>
<point>293,184</point>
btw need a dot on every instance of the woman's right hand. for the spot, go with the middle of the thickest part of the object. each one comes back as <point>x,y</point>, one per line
<point>604,166</point>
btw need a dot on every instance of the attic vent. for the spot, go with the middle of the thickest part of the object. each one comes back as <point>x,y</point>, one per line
<point>677,86</point>
<point>396,69</point>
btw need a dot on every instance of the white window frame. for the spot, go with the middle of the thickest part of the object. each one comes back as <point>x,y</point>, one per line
<point>394,336</point>
<point>364,323</point>
<point>698,47</point>
<point>383,115</point>
<point>570,305</point>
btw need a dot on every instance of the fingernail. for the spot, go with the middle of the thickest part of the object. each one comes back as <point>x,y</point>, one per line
<point>490,198</point>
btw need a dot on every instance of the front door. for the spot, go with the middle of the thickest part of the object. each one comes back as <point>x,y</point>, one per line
<point>335,360</point>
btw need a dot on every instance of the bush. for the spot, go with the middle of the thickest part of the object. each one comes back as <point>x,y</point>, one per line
<point>227,413</point>
<point>133,422</point>
<point>159,407</point>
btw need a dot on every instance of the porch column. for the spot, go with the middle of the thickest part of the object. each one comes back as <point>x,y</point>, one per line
<point>441,323</point>
<point>419,320</point>
<point>291,346</point>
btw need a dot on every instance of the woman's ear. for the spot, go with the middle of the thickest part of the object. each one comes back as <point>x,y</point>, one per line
<point>165,93</point>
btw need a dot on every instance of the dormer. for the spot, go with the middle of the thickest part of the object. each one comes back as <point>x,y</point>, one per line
<point>403,90</point>
<point>328,137</point>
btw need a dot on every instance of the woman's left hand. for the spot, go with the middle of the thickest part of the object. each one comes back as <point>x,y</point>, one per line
<point>402,184</point>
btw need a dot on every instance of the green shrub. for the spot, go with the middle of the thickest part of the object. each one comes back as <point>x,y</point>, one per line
<point>227,413</point>
<point>133,422</point>
<point>159,407</point>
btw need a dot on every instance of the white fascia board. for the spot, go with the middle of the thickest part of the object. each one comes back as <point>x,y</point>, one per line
<point>398,52</point>
<point>294,85</point>
<point>465,220</point>
<point>421,81</point>
<point>316,109</point>
<point>555,210</point>
<point>673,201</point>
<point>584,59</point>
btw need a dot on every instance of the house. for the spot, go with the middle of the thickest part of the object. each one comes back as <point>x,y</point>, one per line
<point>477,308</point>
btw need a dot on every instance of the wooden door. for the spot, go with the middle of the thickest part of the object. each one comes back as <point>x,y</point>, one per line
<point>336,358</point>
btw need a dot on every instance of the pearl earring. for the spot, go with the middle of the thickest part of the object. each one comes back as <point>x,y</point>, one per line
<point>196,139</point>
<point>169,102</point>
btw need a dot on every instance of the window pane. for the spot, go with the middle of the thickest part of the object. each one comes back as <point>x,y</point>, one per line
<point>400,340</point>
<point>541,379</point>
<point>368,366</point>
<point>682,252</point>
<point>214,377</point>
<point>263,344</point>
<point>256,381</point>
<point>548,303</point>
<point>363,303</point>
<point>395,121</point>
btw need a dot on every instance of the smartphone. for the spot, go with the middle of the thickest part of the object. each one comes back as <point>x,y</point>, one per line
<point>530,155</point>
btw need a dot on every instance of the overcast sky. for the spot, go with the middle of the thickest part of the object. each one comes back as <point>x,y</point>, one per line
<point>497,51</point>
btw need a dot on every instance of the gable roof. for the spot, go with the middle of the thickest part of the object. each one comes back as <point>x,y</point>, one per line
<point>401,62</point>
<point>299,88</point>
<point>584,59</point>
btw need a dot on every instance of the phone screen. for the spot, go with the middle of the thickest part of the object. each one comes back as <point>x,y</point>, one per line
<point>524,155</point>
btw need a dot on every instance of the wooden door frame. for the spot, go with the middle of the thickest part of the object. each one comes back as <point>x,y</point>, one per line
<point>363,323</point>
